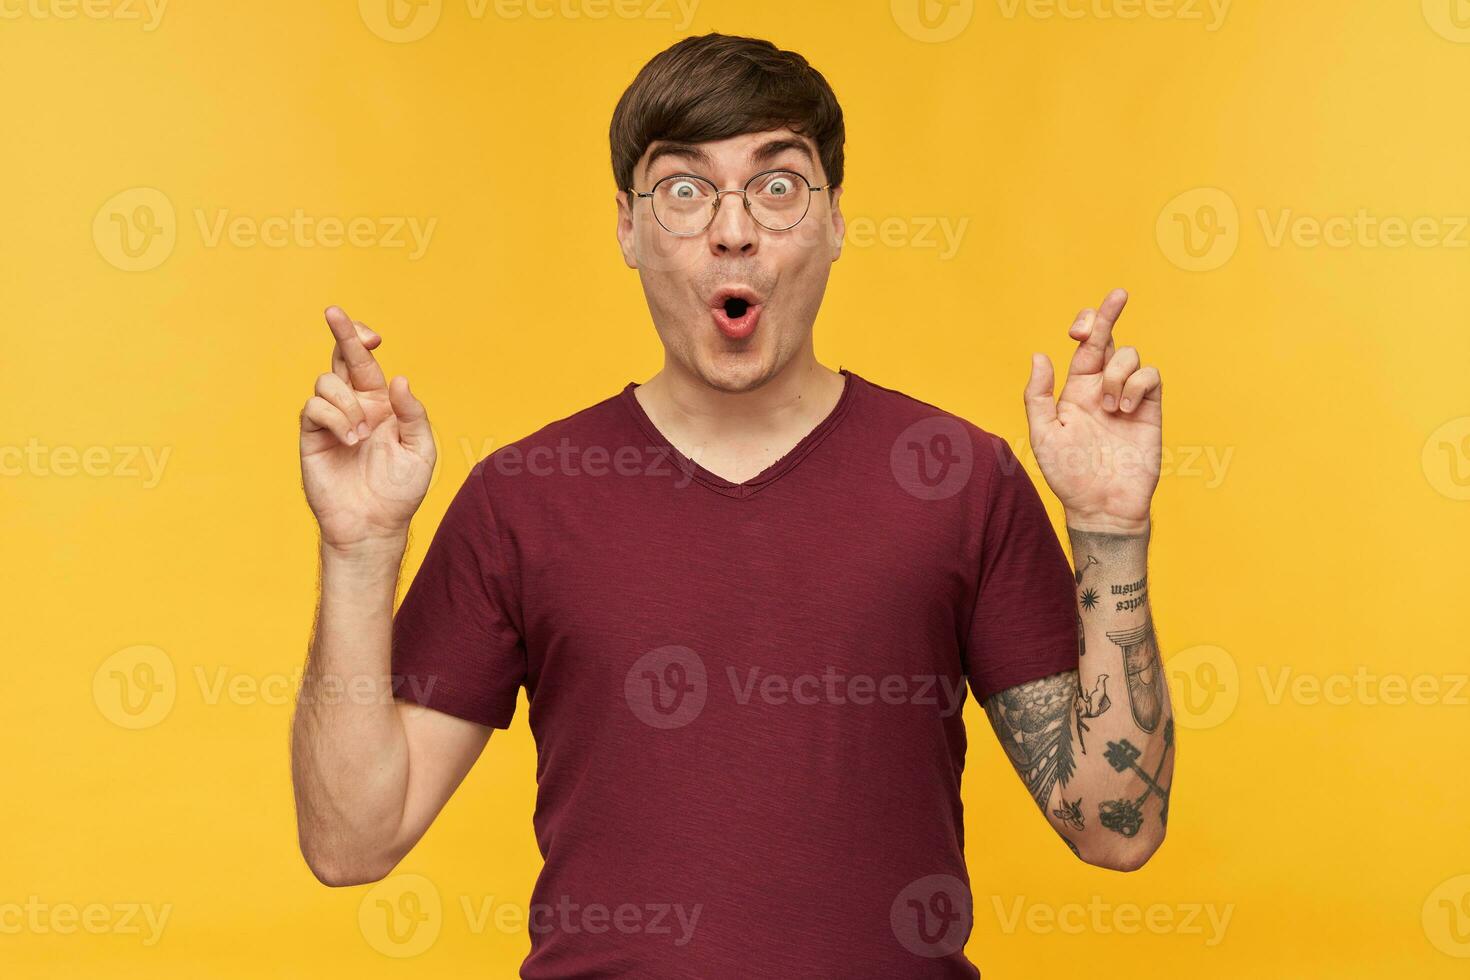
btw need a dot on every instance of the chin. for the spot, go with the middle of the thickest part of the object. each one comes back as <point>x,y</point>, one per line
<point>735,371</point>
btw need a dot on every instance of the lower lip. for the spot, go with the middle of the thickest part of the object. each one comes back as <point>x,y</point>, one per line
<point>737,329</point>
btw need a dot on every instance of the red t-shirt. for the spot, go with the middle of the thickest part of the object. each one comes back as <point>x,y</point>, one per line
<point>745,697</point>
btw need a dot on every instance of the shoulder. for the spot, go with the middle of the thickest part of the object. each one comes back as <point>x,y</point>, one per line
<point>921,428</point>
<point>527,468</point>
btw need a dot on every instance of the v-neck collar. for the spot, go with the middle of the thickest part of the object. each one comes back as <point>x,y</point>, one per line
<point>766,476</point>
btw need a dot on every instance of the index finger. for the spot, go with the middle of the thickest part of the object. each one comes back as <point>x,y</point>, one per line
<point>362,368</point>
<point>1092,352</point>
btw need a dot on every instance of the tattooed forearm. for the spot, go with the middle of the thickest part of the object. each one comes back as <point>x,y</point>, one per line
<point>1099,775</point>
<point>1033,723</point>
<point>1118,563</point>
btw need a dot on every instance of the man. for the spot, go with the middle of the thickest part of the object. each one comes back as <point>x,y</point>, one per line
<point>745,598</point>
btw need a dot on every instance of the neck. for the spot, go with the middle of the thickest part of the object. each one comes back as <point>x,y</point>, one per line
<point>740,433</point>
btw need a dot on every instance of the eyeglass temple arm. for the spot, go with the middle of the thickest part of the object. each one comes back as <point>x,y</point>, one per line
<point>637,193</point>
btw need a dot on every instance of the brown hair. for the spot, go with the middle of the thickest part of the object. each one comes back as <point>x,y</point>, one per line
<point>716,86</point>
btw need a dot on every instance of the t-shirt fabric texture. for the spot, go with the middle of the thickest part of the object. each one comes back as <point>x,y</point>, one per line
<point>745,697</point>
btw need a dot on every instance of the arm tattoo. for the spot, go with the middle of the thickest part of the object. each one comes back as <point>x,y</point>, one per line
<point>1070,813</point>
<point>1032,722</point>
<point>1125,816</point>
<point>1089,601</point>
<point>1090,706</point>
<point>1145,673</point>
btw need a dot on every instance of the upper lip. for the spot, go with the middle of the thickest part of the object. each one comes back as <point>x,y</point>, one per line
<point>726,293</point>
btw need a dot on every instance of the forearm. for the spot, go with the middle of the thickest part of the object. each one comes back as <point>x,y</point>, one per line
<point>1114,805</point>
<point>349,751</point>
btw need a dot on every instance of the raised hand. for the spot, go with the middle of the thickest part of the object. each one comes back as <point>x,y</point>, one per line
<point>367,452</point>
<point>1100,444</point>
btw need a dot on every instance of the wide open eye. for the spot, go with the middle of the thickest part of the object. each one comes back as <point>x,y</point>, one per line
<point>778,186</point>
<point>685,189</point>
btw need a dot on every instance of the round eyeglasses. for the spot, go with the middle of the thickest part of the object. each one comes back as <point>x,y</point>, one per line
<point>685,204</point>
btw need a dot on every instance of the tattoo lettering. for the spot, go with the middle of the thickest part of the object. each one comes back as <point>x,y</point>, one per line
<point>1136,593</point>
<point>1144,672</point>
<point>1090,705</point>
<point>1031,721</point>
<point>1070,813</point>
<point>1126,816</point>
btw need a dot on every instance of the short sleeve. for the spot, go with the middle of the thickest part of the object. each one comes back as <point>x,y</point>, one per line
<point>1025,622</point>
<point>454,646</point>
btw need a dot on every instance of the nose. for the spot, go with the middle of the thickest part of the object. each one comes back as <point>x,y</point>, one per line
<point>733,229</point>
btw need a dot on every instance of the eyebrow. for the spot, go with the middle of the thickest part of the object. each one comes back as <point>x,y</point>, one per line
<point>767,151</point>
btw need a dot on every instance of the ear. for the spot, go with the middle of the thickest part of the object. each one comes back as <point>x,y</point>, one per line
<point>839,224</point>
<point>625,231</point>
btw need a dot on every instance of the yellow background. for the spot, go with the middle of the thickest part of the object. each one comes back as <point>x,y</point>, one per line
<point>1328,538</point>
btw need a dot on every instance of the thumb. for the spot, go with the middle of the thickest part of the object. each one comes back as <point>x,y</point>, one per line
<point>413,420</point>
<point>1041,409</point>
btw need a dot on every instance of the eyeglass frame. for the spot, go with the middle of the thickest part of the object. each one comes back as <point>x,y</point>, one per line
<point>744,193</point>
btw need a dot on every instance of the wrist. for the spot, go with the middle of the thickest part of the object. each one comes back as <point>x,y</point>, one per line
<point>376,550</point>
<point>1105,524</point>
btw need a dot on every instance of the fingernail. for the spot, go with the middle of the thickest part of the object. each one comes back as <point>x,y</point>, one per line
<point>1109,402</point>
<point>363,430</point>
<point>1127,404</point>
<point>351,438</point>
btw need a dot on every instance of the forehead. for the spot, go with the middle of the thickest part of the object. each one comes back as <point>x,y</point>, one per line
<point>748,150</point>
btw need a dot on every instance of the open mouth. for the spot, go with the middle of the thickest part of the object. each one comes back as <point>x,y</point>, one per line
<point>736,312</point>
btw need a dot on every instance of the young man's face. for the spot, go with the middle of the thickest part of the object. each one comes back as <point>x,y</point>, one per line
<point>783,274</point>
